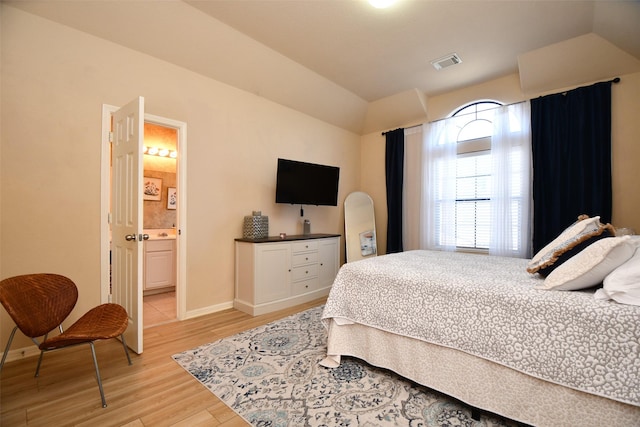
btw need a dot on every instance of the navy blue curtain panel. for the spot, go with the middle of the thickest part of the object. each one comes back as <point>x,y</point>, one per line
<point>394,169</point>
<point>571,144</point>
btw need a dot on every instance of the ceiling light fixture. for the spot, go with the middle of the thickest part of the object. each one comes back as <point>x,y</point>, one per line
<point>381,4</point>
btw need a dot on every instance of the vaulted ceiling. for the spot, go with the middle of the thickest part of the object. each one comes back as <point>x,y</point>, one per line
<point>332,58</point>
<point>376,53</point>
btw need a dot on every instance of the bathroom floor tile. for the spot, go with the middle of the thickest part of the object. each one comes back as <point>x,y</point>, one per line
<point>159,308</point>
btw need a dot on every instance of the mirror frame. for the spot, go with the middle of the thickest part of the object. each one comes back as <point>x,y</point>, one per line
<point>359,227</point>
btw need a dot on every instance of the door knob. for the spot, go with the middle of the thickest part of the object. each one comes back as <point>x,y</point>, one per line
<point>145,237</point>
<point>130,237</point>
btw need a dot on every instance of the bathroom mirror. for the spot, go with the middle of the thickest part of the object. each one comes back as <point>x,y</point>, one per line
<point>359,226</point>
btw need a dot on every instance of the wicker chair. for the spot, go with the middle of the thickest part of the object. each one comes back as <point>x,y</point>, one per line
<point>38,303</point>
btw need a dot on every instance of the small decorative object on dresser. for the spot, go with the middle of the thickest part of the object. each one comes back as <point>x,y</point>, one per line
<point>255,226</point>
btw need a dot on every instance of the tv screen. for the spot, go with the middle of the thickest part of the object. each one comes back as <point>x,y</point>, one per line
<point>302,183</point>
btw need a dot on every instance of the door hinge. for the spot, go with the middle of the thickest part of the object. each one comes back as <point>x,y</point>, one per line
<point>110,137</point>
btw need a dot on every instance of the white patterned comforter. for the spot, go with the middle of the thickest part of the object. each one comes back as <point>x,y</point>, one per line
<point>487,306</point>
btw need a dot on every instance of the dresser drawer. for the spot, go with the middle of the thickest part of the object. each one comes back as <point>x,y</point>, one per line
<point>304,258</point>
<point>304,246</point>
<point>304,272</point>
<point>304,286</point>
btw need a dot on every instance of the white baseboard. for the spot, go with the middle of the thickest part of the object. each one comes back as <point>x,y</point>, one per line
<point>208,310</point>
<point>259,309</point>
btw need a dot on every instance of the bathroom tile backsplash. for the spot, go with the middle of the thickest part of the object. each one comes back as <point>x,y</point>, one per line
<point>156,214</point>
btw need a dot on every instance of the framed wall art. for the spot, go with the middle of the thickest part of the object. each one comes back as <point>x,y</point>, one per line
<point>152,189</point>
<point>172,198</point>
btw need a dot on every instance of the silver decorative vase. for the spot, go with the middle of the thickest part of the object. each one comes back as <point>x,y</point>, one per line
<point>255,226</point>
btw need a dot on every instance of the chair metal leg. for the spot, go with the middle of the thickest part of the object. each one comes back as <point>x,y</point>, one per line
<point>95,364</point>
<point>126,350</point>
<point>6,349</point>
<point>39,363</point>
<point>41,352</point>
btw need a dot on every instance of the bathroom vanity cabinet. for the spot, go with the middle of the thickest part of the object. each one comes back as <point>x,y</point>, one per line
<point>275,273</point>
<point>159,264</point>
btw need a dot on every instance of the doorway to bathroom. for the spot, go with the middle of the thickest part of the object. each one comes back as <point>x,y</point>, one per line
<point>160,216</point>
<point>164,226</point>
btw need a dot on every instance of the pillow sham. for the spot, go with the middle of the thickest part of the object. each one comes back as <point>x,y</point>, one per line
<point>576,246</point>
<point>623,284</point>
<point>569,232</point>
<point>570,242</point>
<point>590,267</point>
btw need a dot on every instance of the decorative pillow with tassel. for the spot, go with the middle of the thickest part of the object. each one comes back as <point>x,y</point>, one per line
<point>591,266</point>
<point>571,241</point>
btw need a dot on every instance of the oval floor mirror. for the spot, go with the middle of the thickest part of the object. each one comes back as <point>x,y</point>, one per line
<point>359,226</point>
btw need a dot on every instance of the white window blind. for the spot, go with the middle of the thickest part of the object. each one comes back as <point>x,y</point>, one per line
<point>473,209</point>
<point>473,176</point>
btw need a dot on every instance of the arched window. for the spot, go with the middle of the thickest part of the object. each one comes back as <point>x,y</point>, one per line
<point>476,120</point>
<point>473,174</point>
<point>477,180</point>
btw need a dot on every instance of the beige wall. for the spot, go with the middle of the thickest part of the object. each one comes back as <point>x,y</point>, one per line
<point>625,139</point>
<point>54,83</point>
<point>625,142</point>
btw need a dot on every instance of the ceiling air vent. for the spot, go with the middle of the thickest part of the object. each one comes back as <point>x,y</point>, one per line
<point>446,61</point>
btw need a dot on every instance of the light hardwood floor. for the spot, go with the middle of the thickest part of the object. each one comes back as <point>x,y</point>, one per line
<point>154,391</point>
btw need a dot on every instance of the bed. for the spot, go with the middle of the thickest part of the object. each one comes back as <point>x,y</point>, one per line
<point>479,329</point>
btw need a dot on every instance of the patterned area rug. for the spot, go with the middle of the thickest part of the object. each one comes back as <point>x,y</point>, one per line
<point>271,377</point>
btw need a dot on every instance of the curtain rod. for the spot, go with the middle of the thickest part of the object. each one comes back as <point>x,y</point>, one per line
<point>614,80</point>
<point>414,126</point>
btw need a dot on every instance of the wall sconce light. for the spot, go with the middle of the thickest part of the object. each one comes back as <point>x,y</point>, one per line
<point>160,152</point>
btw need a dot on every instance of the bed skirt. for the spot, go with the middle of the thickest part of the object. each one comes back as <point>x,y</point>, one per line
<point>475,381</point>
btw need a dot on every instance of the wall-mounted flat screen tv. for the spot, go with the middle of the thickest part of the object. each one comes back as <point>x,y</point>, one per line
<point>302,183</point>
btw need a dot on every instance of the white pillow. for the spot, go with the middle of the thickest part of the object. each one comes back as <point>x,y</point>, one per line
<point>591,265</point>
<point>623,283</point>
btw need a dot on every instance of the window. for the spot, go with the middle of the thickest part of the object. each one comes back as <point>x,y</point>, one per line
<point>476,175</point>
<point>473,175</point>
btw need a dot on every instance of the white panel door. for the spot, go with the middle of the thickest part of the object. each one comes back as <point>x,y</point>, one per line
<point>126,216</point>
